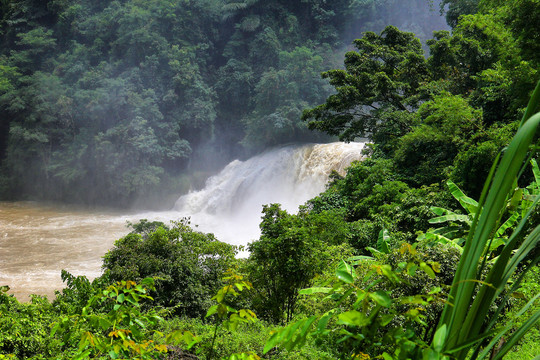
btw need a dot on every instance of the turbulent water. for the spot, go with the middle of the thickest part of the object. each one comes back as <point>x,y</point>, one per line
<point>230,204</point>
<point>37,241</point>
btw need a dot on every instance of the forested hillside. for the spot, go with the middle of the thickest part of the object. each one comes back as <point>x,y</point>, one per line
<point>428,249</point>
<point>102,101</point>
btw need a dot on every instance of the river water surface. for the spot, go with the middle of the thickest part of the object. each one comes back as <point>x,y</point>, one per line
<point>37,241</point>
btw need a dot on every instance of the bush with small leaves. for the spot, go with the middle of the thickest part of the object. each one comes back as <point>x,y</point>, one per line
<point>188,264</point>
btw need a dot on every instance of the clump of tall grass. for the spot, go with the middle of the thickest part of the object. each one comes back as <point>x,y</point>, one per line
<point>466,325</point>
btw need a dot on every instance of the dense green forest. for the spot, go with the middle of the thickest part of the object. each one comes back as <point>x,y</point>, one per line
<point>104,101</point>
<point>428,249</point>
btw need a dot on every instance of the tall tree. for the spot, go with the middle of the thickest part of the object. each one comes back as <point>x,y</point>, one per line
<point>379,79</point>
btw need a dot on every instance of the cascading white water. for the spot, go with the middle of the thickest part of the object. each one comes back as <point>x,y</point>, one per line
<point>37,241</point>
<point>230,204</point>
<point>289,175</point>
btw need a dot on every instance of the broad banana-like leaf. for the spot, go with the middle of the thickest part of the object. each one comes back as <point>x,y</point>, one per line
<point>382,242</point>
<point>451,217</point>
<point>468,203</point>
<point>510,222</point>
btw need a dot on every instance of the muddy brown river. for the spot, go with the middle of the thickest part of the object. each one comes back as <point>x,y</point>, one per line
<point>37,241</point>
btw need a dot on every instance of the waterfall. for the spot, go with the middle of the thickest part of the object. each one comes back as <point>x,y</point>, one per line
<point>231,202</point>
<point>35,238</point>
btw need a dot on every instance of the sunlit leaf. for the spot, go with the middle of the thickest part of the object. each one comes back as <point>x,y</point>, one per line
<point>353,318</point>
<point>345,272</point>
<point>439,338</point>
<point>427,269</point>
<point>381,298</point>
<point>315,290</point>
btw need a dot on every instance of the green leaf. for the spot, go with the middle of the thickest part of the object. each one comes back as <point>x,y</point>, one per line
<point>408,346</point>
<point>211,311</point>
<point>272,342</point>
<point>353,318</point>
<point>140,323</point>
<point>468,203</point>
<point>382,242</point>
<point>435,290</point>
<point>372,250</point>
<point>440,211</point>
<point>222,310</point>
<point>439,338</point>
<point>411,270</point>
<point>510,222</point>
<point>307,325</point>
<point>345,272</point>
<point>86,338</point>
<point>428,270</point>
<point>355,260</point>
<point>84,355</point>
<point>451,217</point>
<point>430,354</point>
<point>443,240</point>
<point>386,319</point>
<point>536,171</point>
<point>323,322</point>
<point>121,298</point>
<point>515,200</point>
<point>315,290</point>
<point>104,324</point>
<point>381,298</point>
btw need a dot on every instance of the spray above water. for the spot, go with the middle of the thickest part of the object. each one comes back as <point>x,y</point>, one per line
<point>230,205</point>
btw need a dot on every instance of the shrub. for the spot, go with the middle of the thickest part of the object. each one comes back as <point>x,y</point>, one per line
<point>188,264</point>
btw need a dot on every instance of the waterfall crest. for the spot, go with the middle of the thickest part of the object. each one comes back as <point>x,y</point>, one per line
<point>231,202</point>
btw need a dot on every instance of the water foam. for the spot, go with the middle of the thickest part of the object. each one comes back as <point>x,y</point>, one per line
<point>230,204</point>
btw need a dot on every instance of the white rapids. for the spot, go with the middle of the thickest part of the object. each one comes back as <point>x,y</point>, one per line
<point>231,202</point>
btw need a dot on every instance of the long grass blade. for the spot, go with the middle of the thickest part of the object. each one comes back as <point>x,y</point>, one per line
<point>500,273</point>
<point>504,300</point>
<point>533,106</point>
<point>458,319</point>
<point>448,311</point>
<point>516,336</point>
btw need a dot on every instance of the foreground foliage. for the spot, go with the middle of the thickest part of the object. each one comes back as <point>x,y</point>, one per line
<point>463,322</point>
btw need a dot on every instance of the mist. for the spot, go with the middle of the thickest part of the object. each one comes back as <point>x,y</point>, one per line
<point>420,17</point>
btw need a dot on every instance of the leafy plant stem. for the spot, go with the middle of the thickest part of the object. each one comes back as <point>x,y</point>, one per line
<point>211,353</point>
